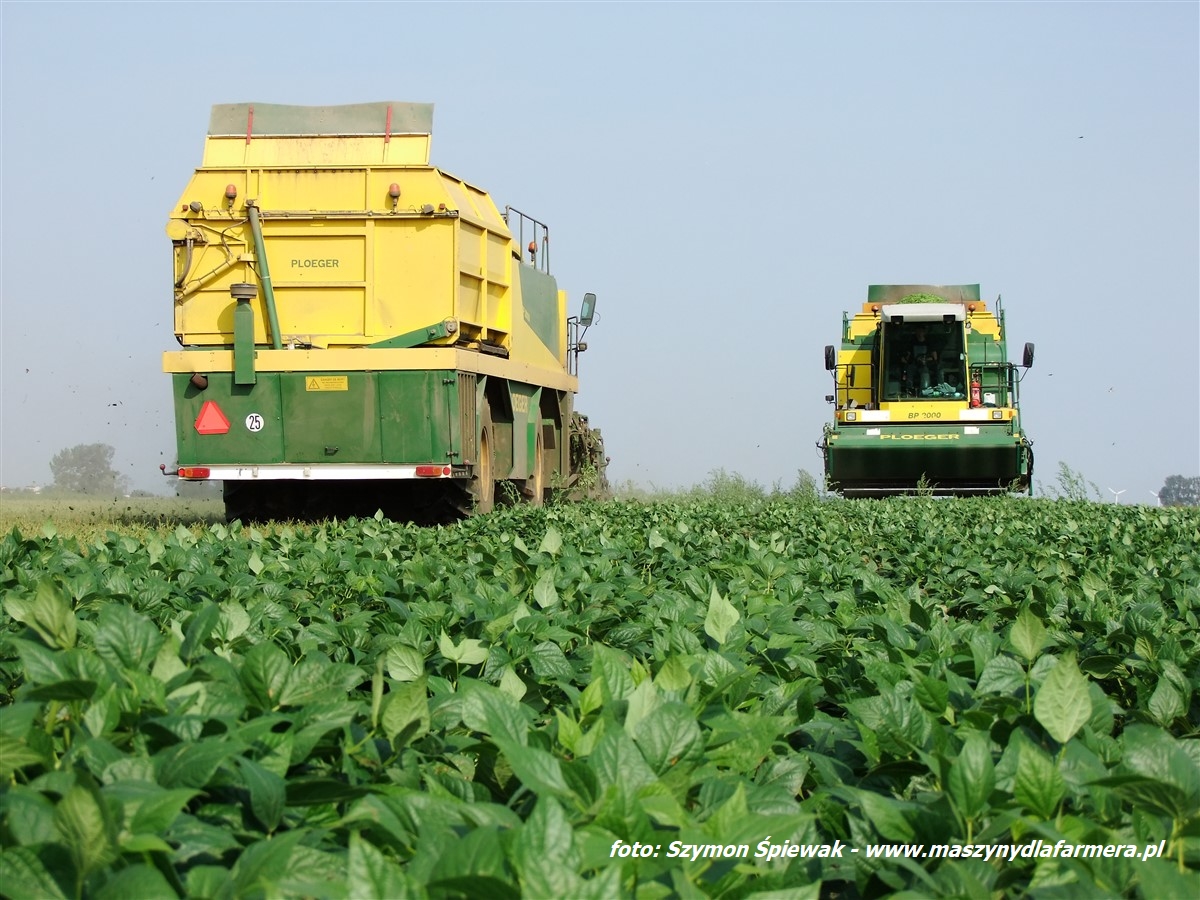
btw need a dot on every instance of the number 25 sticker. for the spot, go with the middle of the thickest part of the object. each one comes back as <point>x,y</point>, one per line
<point>254,422</point>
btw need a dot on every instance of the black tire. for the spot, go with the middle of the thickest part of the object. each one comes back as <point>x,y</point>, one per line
<point>483,483</point>
<point>535,486</point>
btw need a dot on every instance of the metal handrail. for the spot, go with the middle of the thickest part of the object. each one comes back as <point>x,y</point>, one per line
<point>539,233</point>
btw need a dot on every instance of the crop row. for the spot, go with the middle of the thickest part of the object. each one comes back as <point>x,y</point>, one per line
<point>368,709</point>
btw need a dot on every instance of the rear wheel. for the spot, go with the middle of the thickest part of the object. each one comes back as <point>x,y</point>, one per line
<point>483,484</point>
<point>536,485</point>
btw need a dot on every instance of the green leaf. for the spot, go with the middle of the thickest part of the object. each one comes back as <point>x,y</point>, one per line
<point>544,853</point>
<point>149,808</point>
<point>611,668</point>
<point>972,776</point>
<point>491,711</point>
<point>16,754</point>
<point>267,792</point>
<point>933,695</point>
<point>1028,635</point>
<point>82,822</point>
<point>23,876</point>
<point>371,874</point>
<point>549,664</point>
<point>48,613</point>
<point>673,675</point>
<point>1162,797</point>
<point>199,628</point>
<point>669,737</point>
<point>551,542</point>
<point>1063,704</point>
<point>1166,704</point>
<point>1155,754</point>
<point>103,714</point>
<point>264,675</point>
<point>643,702</point>
<point>539,770</point>
<point>68,689</point>
<point>511,684</point>
<point>209,881</point>
<point>406,711</point>
<point>468,652</point>
<point>126,638</point>
<point>404,663</point>
<point>544,591</point>
<point>1038,786</point>
<point>721,617</point>
<point>192,765</point>
<point>28,815</point>
<point>892,818</point>
<point>139,881</point>
<point>473,866</point>
<point>569,732</point>
<point>616,760</point>
<point>264,864</point>
<point>1001,675</point>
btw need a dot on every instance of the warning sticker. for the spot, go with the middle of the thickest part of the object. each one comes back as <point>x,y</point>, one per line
<point>327,383</point>
<point>211,420</point>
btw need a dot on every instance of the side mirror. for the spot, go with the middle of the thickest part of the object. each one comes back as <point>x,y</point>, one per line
<point>830,358</point>
<point>1028,361</point>
<point>588,311</point>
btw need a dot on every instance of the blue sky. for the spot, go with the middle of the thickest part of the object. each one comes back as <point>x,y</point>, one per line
<point>726,177</point>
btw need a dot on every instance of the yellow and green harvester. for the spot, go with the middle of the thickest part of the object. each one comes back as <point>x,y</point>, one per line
<point>361,330</point>
<point>925,399</point>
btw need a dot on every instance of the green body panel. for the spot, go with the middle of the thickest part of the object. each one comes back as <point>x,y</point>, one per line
<point>331,426</point>
<point>237,402</point>
<point>355,417</point>
<point>949,459</point>
<point>539,293</point>
<point>420,417</point>
<point>381,417</point>
<point>243,344</point>
<point>523,400</point>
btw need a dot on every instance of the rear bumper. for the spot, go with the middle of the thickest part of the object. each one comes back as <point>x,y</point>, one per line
<point>289,472</point>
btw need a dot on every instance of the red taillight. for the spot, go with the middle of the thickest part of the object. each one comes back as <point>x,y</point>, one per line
<point>433,471</point>
<point>193,471</point>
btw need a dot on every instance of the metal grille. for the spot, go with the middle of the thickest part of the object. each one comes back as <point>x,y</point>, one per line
<point>466,416</point>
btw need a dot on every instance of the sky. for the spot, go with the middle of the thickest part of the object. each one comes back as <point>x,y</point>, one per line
<point>727,178</point>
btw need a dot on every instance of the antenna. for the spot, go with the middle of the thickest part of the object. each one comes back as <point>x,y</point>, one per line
<point>1117,494</point>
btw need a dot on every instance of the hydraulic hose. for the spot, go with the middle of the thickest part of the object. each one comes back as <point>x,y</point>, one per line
<point>264,274</point>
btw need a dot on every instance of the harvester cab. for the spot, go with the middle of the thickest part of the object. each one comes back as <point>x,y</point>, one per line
<point>925,399</point>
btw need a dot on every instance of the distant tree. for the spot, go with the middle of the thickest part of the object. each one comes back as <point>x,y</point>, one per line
<point>1180,490</point>
<point>87,469</point>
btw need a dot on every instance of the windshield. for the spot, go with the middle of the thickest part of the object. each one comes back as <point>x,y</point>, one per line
<point>924,361</point>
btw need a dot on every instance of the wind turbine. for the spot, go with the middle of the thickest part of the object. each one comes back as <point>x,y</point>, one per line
<point>1117,494</point>
<point>1157,499</point>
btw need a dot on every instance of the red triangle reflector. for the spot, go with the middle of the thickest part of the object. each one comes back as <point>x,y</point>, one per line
<point>211,420</point>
